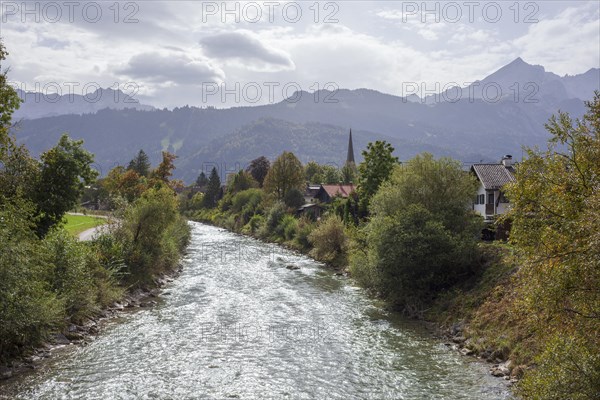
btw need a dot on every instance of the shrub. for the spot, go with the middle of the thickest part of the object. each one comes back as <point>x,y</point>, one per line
<point>568,368</point>
<point>329,242</point>
<point>304,228</point>
<point>273,217</point>
<point>412,256</point>
<point>71,276</point>
<point>29,309</point>
<point>287,227</point>
<point>153,234</point>
<point>255,223</point>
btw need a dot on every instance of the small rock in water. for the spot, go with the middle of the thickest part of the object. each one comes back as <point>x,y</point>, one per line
<point>466,352</point>
<point>292,267</point>
<point>59,338</point>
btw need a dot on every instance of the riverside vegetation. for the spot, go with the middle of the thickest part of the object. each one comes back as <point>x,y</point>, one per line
<point>49,280</point>
<point>406,235</point>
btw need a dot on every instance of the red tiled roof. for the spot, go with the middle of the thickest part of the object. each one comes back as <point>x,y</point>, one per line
<point>338,190</point>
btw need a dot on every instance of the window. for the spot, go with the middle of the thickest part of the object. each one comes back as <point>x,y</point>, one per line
<point>481,199</point>
<point>490,198</point>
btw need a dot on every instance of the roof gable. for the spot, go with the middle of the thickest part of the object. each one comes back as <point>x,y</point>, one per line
<point>338,190</point>
<point>493,176</point>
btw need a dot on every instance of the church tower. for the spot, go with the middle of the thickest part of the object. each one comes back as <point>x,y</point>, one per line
<point>350,156</point>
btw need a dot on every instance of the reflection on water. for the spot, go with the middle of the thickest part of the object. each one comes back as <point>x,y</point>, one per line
<point>239,324</point>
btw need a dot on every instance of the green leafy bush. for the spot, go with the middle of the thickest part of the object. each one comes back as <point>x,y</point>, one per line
<point>329,242</point>
<point>29,309</point>
<point>153,233</point>
<point>272,219</point>
<point>287,227</point>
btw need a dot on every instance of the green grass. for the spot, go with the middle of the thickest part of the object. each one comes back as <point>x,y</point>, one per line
<point>75,224</point>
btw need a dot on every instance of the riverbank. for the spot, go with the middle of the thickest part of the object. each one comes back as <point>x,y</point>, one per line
<point>247,327</point>
<point>84,333</point>
<point>456,316</point>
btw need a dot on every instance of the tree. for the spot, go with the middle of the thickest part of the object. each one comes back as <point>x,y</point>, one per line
<point>294,198</point>
<point>213,190</point>
<point>331,175</point>
<point>140,164</point>
<point>19,173</point>
<point>440,186</point>
<point>202,180</point>
<point>240,181</point>
<point>313,172</point>
<point>421,237</point>
<point>66,169</point>
<point>165,169</point>
<point>374,170</point>
<point>285,174</point>
<point>317,173</point>
<point>9,102</point>
<point>259,168</point>
<point>555,216</point>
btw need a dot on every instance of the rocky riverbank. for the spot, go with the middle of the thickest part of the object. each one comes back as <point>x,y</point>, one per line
<point>84,333</point>
<point>501,367</point>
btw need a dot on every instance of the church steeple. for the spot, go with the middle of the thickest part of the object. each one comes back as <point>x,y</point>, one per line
<point>350,156</point>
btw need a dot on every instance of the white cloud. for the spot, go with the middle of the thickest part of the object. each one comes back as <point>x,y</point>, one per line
<point>568,43</point>
<point>171,68</point>
<point>248,48</point>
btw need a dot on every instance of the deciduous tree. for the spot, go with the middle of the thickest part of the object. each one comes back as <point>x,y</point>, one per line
<point>285,174</point>
<point>65,170</point>
<point>374,170</point>
<point>259,168</point>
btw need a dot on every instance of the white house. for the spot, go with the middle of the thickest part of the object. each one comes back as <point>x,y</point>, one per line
<point>490,201</point>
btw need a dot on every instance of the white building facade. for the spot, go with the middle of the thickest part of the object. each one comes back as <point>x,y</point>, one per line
<point>490,201</point>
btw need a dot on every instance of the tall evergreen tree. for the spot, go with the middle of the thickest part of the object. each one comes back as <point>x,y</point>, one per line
<point>202,180</point>
<point>213,190</point>
<point>140,164</point>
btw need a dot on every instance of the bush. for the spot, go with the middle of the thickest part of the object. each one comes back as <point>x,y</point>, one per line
<point>421,238</point>
<point>287,227</point>
<point>304,228</point>
<point>411,255</point>
<point>29,309</point>
<point>153,234</point>
<point>569,368</point>
<point>329,242</point>
<point>254,225</point>
<point>71,275</point>
<point>273,217</point>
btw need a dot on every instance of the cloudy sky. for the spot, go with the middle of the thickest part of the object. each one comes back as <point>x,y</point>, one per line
<point>223,54</point>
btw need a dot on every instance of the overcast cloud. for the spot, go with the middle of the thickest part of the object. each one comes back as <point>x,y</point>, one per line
<point>170,49</point>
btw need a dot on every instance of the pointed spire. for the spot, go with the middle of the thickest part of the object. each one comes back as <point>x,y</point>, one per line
<point>350,156</point>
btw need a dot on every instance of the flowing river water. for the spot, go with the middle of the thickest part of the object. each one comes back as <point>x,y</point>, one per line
<point>237,323</point>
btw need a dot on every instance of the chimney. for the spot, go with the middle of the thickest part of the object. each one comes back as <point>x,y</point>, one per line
<point>507,161</point>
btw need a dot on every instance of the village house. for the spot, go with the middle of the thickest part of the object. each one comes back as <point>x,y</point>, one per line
<point>490,201</point>
<point>327,193</point>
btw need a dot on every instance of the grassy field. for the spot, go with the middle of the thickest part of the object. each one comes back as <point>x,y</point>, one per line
<point>75,224</point>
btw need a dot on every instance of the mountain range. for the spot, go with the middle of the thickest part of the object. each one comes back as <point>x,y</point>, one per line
<point>492,117</point>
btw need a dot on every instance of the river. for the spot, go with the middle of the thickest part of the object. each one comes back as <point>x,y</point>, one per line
<point>237,323</point>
